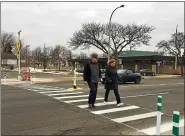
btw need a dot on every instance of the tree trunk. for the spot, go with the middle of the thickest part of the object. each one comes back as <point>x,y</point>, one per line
<point>182,70</point>
<point>59,66</point>
<point>44,67</point>
<point>117,60</point>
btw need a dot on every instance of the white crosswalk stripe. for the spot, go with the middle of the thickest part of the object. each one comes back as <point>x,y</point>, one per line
<point>80,100</point>
<point>50,92</point>
<point>97,104</point>
<point>111,111</point>
<point>65,97</point>
<point>114,110</point>
<point>64,94</point>
<point>164,128</point>
<point>135,117</point>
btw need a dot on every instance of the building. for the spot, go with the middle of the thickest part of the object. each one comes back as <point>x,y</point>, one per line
<point>8,60</point>
<point>137,60</point>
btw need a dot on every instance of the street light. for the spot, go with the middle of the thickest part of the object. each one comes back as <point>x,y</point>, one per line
<point>19,54</point>
<point>110,30</point>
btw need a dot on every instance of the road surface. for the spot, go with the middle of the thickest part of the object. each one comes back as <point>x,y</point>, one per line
<point>50,108</point>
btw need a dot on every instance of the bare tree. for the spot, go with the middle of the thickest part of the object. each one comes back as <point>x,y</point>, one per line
<point>45,56</point>
<point>8,41</point>
<point>59,54</point>
<point>96,34</point>
<point>37,53</point>
<point>82,56</point>
<point>174,46</point>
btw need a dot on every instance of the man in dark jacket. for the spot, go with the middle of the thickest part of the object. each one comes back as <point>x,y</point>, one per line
<point>92,75</point>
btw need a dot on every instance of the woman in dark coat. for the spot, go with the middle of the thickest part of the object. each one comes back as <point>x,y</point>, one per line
<point>111,82</point>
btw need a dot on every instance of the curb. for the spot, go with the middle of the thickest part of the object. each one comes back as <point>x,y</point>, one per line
<point>163,77</point>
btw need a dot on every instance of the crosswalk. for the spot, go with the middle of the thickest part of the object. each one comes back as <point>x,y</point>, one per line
<point>142,120</point>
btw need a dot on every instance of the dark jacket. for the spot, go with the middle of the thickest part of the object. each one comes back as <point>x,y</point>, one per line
<point>111,77</point>
<point>87,72</point>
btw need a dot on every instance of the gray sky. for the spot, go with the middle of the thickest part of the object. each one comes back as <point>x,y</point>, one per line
<point>55,22</point>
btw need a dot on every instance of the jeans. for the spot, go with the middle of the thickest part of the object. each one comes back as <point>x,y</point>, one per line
<point>93,91</point>
<point>116,95</point>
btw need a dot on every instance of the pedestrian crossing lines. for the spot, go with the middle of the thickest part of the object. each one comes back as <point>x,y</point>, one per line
<point>134,116</point>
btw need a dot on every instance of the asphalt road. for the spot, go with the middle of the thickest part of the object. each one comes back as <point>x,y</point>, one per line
<point>48,108</point>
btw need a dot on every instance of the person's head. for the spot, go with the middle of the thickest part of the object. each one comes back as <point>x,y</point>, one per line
<point>94,58</point>
<point>112,63</point>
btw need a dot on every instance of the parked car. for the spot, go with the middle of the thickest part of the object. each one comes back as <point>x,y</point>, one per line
<point>80,70</point>
<point>125,75</point>
<point>146,72</point>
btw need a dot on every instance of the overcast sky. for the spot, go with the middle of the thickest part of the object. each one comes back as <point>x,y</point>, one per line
<point>55,22</point>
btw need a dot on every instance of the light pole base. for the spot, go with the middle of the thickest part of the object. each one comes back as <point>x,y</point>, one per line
<point>19,77</point>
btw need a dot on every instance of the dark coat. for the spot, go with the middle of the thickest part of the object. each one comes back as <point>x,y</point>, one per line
<point>111,77</point>
<point>87,72</point>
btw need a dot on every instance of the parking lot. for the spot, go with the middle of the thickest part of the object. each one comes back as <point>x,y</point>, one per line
<point>68,114</point>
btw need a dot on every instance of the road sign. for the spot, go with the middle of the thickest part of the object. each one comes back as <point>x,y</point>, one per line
<point>18,45</point>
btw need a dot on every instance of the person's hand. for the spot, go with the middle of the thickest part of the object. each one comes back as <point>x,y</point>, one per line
<point>101,80</point>
<point>85,82</point>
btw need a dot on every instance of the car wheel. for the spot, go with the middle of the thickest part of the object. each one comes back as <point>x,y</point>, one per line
<point>137,81</point>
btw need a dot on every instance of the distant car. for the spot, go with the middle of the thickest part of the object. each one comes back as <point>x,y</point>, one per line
<point>124,76</point>
<point>146,72</point>
<point>80,70</point>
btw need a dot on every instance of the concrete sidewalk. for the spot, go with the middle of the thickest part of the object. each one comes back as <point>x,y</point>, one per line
<point>44,80</point>
<point>162,76</point>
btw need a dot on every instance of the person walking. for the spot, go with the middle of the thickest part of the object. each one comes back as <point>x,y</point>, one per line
<point>111,82</point>
<point>92,75</point>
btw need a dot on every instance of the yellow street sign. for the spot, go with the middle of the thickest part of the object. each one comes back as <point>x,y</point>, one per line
<point>18,45</point>
<point>18,56</point>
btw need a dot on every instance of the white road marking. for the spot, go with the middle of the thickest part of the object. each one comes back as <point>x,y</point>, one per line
<point>46,88</point>
<point>164,128</point>
<point>136,117</point>
<point>54,91</point>
<point>180,83</point>
<point>81,100</point>
<point>65,97</point>
<point>115,110</point>
<point>97,104</point>
<point>63,93</point>
<point>143,95</point>
<point>162,84</point>
<point>38,90</point>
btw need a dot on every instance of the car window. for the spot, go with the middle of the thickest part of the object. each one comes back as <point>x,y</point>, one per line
<point>121,71</point>
<point>129,71</point>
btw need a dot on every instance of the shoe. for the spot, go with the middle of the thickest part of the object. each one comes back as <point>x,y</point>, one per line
<point>120,104</point>
<point>90,106</point>
<point>93,106</point>
<point>106,103</point>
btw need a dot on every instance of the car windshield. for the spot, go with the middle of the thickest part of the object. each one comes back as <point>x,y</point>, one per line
<point>120,71</point>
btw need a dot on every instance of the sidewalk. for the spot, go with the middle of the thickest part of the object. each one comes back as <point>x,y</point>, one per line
<point>162,76</point>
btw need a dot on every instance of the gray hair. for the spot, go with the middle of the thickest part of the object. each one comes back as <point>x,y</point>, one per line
<point>94,55</point>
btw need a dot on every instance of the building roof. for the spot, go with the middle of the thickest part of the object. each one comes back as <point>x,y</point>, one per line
<point>8,56</point>
<point>134,53</point>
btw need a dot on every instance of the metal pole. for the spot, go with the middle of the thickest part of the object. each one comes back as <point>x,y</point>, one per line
<point>110,30</point>
<point>159,108</point>
<point>19,52</point>
<point>5,77</point>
